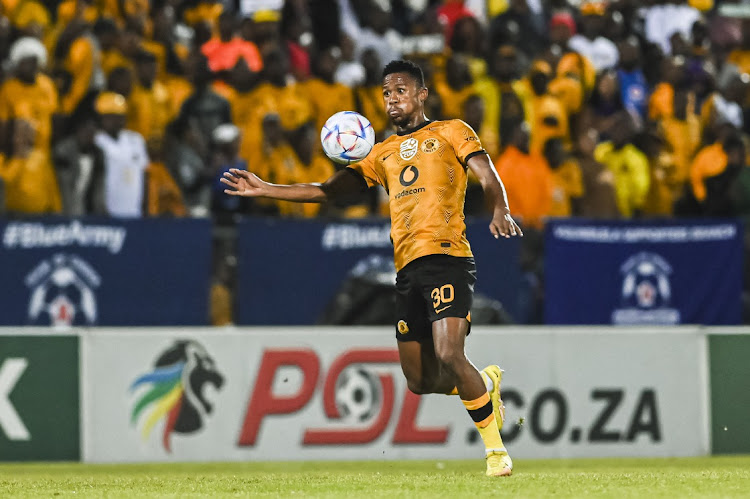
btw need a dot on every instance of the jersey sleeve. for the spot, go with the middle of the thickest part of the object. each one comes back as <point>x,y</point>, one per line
<point>465,141</point>
<point>367,169</point>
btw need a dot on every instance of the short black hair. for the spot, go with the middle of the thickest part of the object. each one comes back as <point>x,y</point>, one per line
<point>402,66</point>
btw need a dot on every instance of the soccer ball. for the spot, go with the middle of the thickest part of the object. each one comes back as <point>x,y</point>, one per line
<point>357,394</point>
<point>347,137</point>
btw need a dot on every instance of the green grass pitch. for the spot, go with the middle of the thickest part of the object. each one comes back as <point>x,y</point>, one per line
<point>693,477</point>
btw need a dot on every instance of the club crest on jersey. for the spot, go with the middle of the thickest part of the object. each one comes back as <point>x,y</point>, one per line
<point>409,148</point>
<point>429,145</point>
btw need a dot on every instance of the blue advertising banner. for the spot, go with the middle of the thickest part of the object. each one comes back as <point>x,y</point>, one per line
<point>290,270</point>
<point>661,273</point>
<point>104,272</point>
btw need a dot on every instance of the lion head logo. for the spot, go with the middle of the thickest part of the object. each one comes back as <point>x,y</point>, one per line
<point>175,391</point>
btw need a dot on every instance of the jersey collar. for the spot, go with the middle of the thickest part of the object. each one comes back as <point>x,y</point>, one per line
<point>412,130</point>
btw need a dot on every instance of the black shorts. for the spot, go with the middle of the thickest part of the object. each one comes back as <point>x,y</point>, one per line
<point>431,288</point>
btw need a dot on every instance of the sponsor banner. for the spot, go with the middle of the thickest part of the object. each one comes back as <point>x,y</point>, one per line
<point>104,272</point>
<point>730,397</point>
<point>290,270</point>
<point>39,403</point>
<point>629,273</point>
<point>338,393</point>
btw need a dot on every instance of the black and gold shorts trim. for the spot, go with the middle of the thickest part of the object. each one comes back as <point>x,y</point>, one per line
<point>431,288</point>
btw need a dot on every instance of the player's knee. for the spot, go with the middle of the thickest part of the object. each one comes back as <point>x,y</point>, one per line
<point>416,386</point>
<point>450,358</point>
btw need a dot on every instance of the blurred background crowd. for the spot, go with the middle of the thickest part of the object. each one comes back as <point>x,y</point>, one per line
<point>135,108</point>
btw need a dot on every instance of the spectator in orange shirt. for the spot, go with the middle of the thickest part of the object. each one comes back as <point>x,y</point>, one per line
<point>713,172</point>
<point>527,179</point>
<point>224,50</point>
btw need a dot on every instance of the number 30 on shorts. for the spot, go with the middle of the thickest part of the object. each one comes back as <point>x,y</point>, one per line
<point>443,294</point>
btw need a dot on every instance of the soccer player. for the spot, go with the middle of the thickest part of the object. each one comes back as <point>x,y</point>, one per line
<point>424,169</point>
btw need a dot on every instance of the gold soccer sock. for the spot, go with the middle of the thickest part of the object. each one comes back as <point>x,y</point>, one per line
<point>480,410</point>
<point>487,382</point>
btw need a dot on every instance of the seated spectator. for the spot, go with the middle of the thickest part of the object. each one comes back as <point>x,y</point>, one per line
<point>148,103</point>
<point>163,196</point>
<point>350,71</point>
<point>520,26</point>
<point>79,164</point>
<point>473,115</point>
<point>454,86</point>
<point>223,51</point>
<point>713,174</point>
<point>527,179</point>
<point>226,141</point>
<point>663,188</point>
<point>30,183</point>
<point>545,112</point>
<point>633,86</point>
<point>107,33</point>
<point>29,94</point>
<point>605,105</point>
<point>369,95</point>
<point>592,42</point>
<point>125,157</point>
<point>599,198</point>
<point>204,106</point>
<point>501,94</point>
<point>312,165</point>
<point>325,95</point>
<point>628,165</point>
<point>188,168</point>
<point>275,94</point>
<point>567,181</point>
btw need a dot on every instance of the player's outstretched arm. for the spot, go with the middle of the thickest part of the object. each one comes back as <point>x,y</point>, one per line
<point>245,183</point>
<point>502,223</point>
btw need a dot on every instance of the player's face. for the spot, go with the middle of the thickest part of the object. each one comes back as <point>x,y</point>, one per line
<point>403,98</point>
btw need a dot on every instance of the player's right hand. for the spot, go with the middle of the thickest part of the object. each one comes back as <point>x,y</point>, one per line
<point>243,183</point>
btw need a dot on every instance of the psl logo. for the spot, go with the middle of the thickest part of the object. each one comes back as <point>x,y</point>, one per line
<point>357,400</point>
<point>175,391</point>
<point>409,148</point>
<point>646,292</point>
<point>62,291</point>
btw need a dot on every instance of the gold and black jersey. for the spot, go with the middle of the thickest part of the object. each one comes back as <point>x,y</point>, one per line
<point>424,172</point>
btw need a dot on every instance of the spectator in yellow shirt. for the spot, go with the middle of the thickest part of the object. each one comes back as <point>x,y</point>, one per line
<point>629,166</point>
<point>454,86</point>
<point>326,96</point>
<point>107,33</point>
<point>29,95</point>
<point>79,60</point>
<point>277,95</point>
<point>148,103</point>
<point>369,95</point>
<point>567,181</point>
<point>30,183</point>
<point>312,166</point>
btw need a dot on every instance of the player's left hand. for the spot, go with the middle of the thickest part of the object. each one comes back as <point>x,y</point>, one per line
<point>504,225</point>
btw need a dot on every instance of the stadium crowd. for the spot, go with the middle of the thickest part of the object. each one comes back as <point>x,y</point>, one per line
<point>132,108</point>
<point>600,109</point>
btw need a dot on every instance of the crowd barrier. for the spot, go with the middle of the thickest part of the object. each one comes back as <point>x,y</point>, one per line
<point>106,272</point>
<point>633,272</point>
<point>256,394</point>
<point>156,272</point>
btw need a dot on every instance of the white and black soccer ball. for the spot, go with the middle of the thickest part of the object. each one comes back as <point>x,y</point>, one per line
<point>347,137</point>
<point>357,394</point>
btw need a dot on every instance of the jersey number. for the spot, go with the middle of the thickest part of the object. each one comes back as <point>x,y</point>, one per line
<point>443,294</point>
